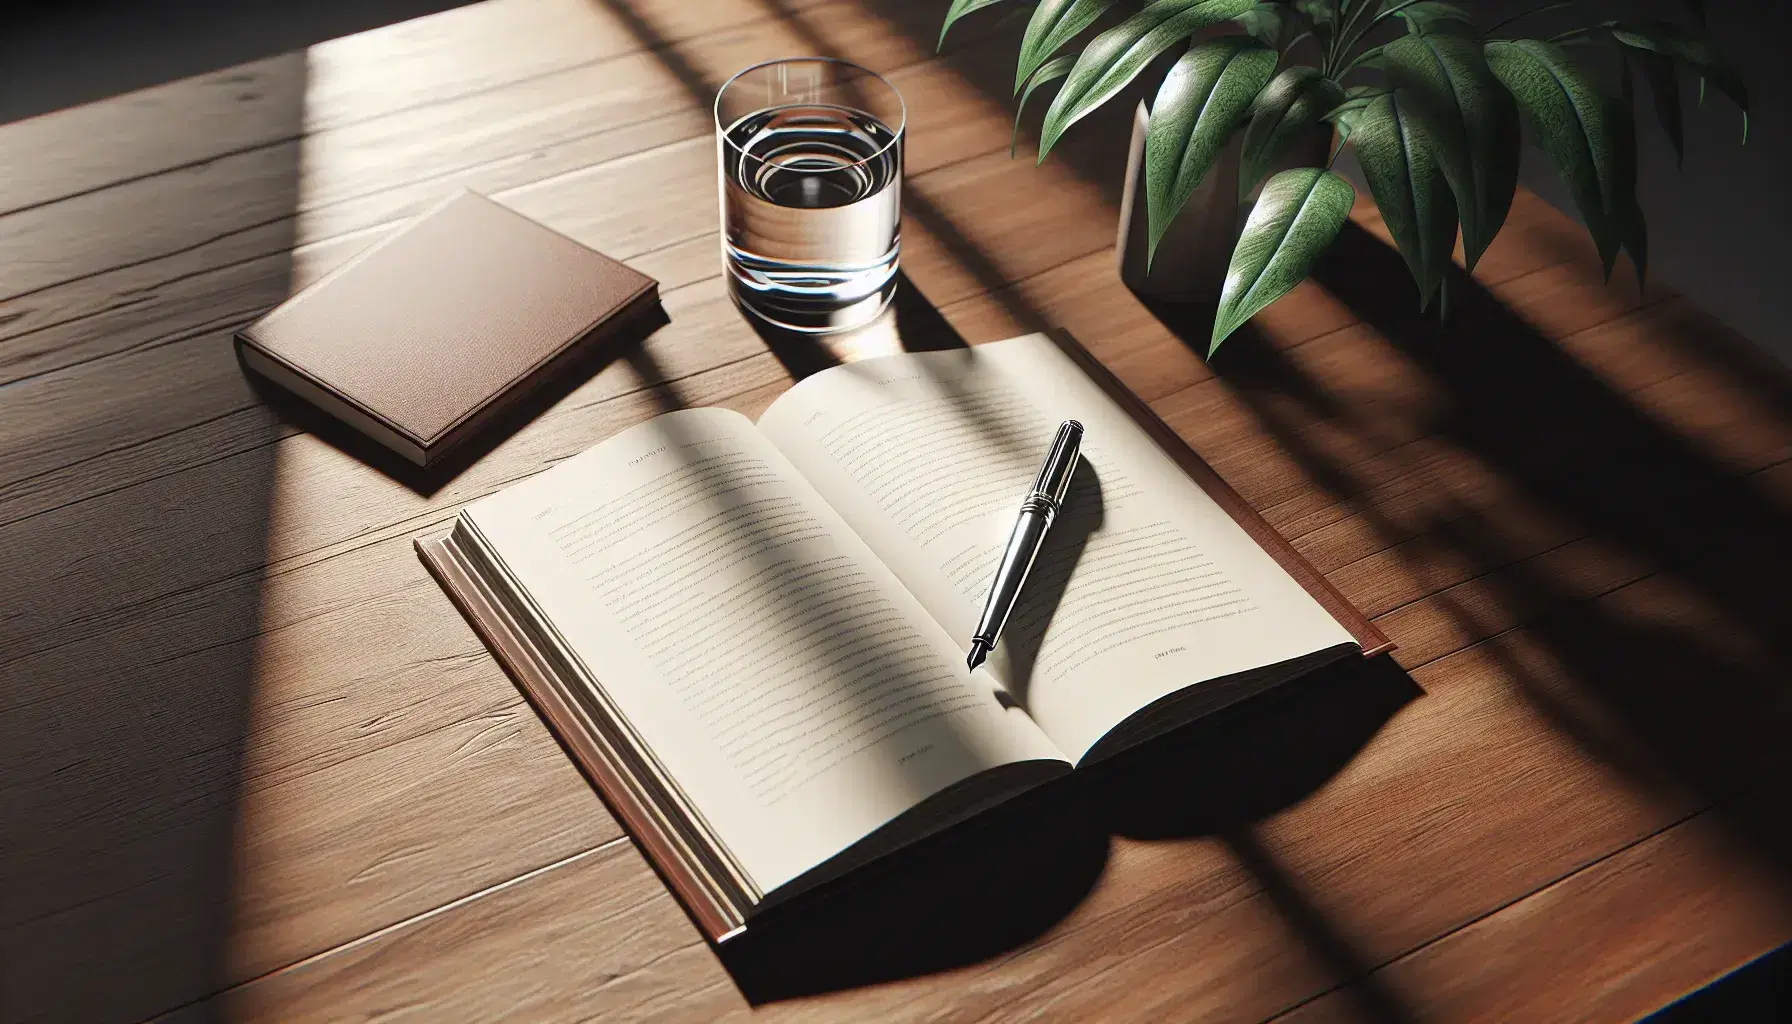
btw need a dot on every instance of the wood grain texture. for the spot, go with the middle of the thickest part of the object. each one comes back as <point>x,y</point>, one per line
<point>263,769</point>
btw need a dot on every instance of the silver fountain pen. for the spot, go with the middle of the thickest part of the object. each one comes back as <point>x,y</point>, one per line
<point>1036,515</point>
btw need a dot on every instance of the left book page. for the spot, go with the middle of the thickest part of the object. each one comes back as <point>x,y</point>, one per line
<point>778,673</point>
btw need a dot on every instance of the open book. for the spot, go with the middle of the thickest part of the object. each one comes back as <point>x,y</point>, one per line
<point>752,636</point>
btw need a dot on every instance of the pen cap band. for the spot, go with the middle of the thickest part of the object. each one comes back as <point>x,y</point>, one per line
<point>1060,462</point>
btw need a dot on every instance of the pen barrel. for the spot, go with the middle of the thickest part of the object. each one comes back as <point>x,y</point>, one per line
<point>1036,514</point>
<point>1017,559</point>
<point>1059,467</point>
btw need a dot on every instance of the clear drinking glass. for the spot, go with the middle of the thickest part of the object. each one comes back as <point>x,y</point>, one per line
<point>810,154</point>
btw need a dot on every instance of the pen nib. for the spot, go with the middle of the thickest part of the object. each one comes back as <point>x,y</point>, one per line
<point>979,650</point>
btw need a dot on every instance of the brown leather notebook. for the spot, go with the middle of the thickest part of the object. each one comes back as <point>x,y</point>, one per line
<point>427,336</point>
<point>750,635</point>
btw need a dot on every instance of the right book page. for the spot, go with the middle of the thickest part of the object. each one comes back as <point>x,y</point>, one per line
<point>1145,586</point>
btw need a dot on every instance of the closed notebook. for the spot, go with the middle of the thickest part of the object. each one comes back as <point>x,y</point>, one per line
<point>425,337</point>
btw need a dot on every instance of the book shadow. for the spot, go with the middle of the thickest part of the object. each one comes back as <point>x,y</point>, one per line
<point>981,888</point>
<point>1005,877</point>
<point>562,380</point>
<point>1246,762</point>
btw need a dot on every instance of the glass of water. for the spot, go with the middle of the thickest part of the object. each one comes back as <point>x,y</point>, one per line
<point>810,152</point>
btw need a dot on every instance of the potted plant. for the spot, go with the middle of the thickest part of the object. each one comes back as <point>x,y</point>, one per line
<point>1430,102</point>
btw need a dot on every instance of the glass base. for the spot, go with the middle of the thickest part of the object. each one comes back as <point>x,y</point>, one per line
<point>809,310</point>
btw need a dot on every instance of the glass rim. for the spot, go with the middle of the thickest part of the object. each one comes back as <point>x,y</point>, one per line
<point>895,136</point>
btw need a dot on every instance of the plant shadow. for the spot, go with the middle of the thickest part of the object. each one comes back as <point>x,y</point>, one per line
<point>1673,672</point>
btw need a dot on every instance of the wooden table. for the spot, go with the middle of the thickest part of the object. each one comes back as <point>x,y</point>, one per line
<point>253,764</point>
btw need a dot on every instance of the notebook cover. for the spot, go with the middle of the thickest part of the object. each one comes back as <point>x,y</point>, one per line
<point>435,330</point>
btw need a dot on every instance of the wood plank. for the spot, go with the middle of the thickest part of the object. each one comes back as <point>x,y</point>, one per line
<point>1615,941</point>
<point>238,742</point>
<point>1489,605</point>
<point>1172,919</point>
<point>376,172</point>
<point>590,950</point>
<point>220,809</point>
<point>406,67</point>
<point>304,589</point>
<point>65,418</point>
<point>1445,784</point>
<point>38,434</point>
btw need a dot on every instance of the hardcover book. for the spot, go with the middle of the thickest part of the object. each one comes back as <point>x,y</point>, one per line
<point>427,336</point>
<point>752,635</point>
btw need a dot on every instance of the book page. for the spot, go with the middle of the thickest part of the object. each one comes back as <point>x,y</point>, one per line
<point>790,687</point>
<point>1144,586</point>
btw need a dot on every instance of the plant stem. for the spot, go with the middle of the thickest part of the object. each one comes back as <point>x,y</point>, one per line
<point>1378,19</point>
<point>1331,44</point>
<point>1343,40</point>
<point>1354,61</point>
<point>1526,14</point>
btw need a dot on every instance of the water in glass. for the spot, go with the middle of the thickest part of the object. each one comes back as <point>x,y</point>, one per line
<point>811,196</point>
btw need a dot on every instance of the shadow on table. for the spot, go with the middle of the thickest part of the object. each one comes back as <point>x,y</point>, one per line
<point>1006,877</point>
<point>909,324</point>
<point>1247,763</point>
<point>979,889</point>
<point>994,883</point>
<point>1674,669</point>
<point>136,492</point>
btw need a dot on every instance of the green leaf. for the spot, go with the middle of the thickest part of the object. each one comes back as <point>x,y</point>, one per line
<point>1574,123</point>
<point>1050,71</point>
<point>1318,14</point>
<point>1399,161</point>
<point>1430,16</point>
<point>1263,23</point>
<point>959,9</point>
<point>1204,97</point>
<point>1292,104</point>
<point>1115,57</point>
<point>1636,242</point>
<point>1658,73</point>
<point>1628,214</point>
<point>1296,218</point>
<point>1052,25</point>
<point>1690,50</point>
<point>1346,114</point>
<point>1471,121</point>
